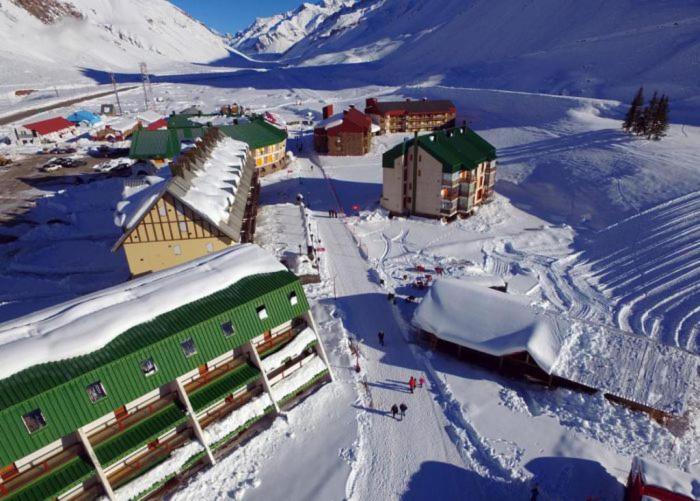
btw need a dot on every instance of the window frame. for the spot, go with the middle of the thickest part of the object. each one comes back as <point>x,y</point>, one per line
<point>262,312</point>
<point>155,367</point>
<point>194,345</point>
<point>43,421</point>
<point>225,332</point>
<point>99,385</point>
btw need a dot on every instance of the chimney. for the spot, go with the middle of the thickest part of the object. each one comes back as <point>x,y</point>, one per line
<point>352,106</point>
<point>327,111</point>
<point>372,101</point>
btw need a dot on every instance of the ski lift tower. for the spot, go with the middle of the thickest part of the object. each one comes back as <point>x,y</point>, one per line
<point>147,90</point>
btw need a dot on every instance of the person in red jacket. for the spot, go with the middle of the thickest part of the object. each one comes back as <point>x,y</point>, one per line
<point>412,384</point>
<point>421,382</point>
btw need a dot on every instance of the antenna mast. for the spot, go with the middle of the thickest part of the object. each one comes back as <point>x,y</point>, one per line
<point>147,91</point>
<point>116,93</point>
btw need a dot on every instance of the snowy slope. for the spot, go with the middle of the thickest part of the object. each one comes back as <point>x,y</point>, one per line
<point>112,35</point>
<point>276,34</point>
<point>596,49</point>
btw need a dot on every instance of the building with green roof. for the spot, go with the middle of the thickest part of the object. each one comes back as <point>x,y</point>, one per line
<point>158,145</point>
<point>267,142</point>
<point>443,174</point>
<point>177,351</point>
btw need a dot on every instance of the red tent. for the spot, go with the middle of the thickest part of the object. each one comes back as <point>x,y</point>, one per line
<point>49,126</point>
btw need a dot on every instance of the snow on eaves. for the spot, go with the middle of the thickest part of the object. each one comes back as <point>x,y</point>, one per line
<point>660,475</point>
<point>631,367</point>
<point>88,323</point>
<point>137,199</point>
<point>213,190</point>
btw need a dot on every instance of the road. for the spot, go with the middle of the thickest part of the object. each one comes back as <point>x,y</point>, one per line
<point>21,115</point>
<point>385,464</point>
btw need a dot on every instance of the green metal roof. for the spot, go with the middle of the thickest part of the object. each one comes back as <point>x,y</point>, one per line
<point>150,144</point>
<point>59,388</point>
<point>181,122</point>
<point>57,481</point>
<point>258,133</point>
<point>224,386</point>
<point>141,433</point>
<point>457,149</point>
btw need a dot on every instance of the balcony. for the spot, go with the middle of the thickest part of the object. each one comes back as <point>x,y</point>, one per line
<point>269,346</point>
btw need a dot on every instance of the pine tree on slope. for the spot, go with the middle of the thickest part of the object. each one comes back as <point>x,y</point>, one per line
<point>660,125</point>
<point>633,112</point>
<point>650,115</point>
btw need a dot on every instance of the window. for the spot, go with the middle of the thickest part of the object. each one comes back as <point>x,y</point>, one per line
<point>188,347</point>
<point>34,421</point>
<point>161,210</point>
<point>96,391</point>
<point>262,312</point>
<point>210,247</point>
<point>148,367</point>
<point>227,329</point>
<point>293,299</point>
<point>183,226</point>
<point>177,250</point>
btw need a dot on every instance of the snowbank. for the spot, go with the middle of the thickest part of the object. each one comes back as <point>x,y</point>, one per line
<point>298,379</point>
<point>293,349</point>
<point>213,190</point>
<point>239,417</point>
<point>169,467</point>
<point>486,320</point>
<point>86,324</point>
<point>679,482</point>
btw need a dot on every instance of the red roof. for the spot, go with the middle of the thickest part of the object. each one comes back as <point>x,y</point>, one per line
<point>353,121</point>
<point>49,126</point>
<point>158,124</point>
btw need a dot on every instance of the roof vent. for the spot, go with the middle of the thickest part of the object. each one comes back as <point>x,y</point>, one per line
<point>432,138</point>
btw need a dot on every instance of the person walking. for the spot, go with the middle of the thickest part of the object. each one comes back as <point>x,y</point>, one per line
<point>412,384</point>
<point>380,335</point>
<point>394,411</point>
<point>421,382</point>
<point>403,408</point>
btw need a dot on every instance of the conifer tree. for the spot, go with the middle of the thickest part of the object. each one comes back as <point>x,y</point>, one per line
<point>633,112</point>
<point>650,113</point>
<point>660,125</point>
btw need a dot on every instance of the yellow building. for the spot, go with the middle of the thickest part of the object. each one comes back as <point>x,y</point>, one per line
<point>267,142</point>
<point>204,207</point>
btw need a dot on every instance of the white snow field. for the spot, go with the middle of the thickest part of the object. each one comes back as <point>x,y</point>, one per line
<point>589,225</point>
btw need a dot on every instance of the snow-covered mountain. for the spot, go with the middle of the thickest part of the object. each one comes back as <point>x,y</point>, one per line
<point>276,34</point>
<point>56,37</point>
<point>596,48</point>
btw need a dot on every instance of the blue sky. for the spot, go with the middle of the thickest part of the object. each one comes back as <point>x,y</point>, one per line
<point>233,15</point>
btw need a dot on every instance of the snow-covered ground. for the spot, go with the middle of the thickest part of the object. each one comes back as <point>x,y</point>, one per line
<point>588,223</point>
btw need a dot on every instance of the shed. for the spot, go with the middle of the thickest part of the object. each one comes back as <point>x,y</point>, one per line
<point>84,117</point>
<point>50,126</point>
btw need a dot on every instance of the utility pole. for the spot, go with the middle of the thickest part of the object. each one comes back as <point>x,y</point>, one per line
<point>116,93</point>
<point>146,80</point>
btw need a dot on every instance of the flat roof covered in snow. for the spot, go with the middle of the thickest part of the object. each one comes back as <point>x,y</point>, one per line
<point>630,367</point>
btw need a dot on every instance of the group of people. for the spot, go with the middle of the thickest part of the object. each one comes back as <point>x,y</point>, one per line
<point>413,382</point>
<point>400,410</point>
<point>332,213</point>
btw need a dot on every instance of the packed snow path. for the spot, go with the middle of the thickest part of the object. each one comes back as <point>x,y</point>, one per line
<point>391,453</point>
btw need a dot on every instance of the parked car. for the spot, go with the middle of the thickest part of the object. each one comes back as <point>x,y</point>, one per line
<point>105,151</point>
<point>115,165</point>
<point>57,163</point>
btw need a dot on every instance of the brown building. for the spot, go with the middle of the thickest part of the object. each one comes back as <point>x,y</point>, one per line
<point>349,134</point>
<point>442,174</point>
<point>411,116</point>
<point>207,205</point>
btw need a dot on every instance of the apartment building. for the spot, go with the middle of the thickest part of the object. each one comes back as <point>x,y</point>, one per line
<point>123,379</point>
<point>206,203</point>
<point>410,115</point>
<point>441,175</point>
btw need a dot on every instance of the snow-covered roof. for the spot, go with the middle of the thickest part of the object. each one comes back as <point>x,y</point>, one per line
<point>213,190</point>
<point>88,323</point>
<point>631,367</point>
<point>137,199</point>
<point>122,124</point>
<point>149,116</point>
<point>332,121</point>
<point>663,476</point>
<point>473,316</point>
